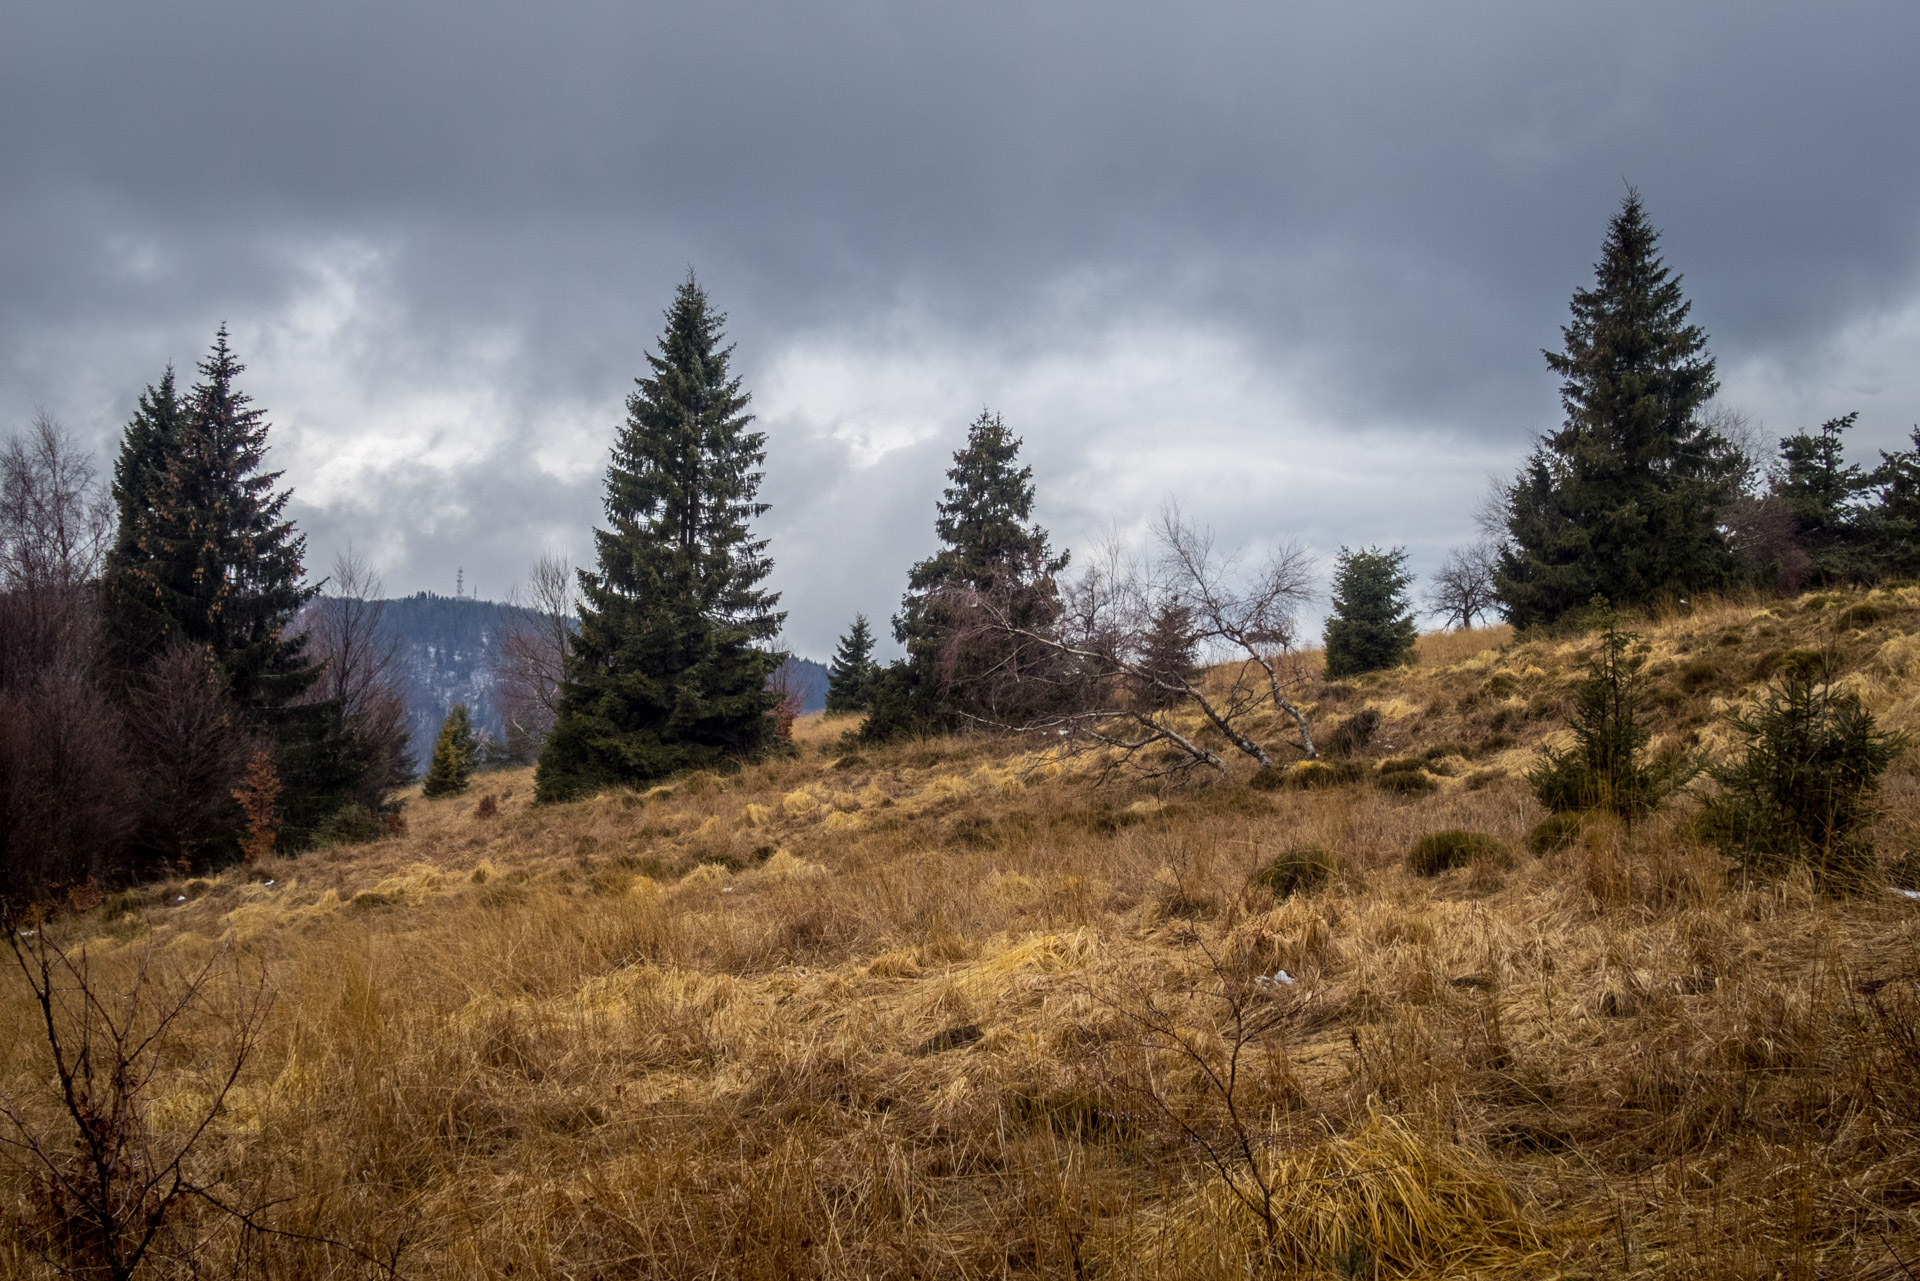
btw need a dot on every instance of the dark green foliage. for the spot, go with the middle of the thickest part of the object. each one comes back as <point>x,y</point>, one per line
<point>1371,627</point>
<point>1605,769</point>
<point>203,555</point>
<point>1555,831</point>
<point>1412,781</point>
<point>1894,522</point>
<point>1168,652</point>
<point>351,824</point>
<point>669,668</point>
<point>1351,734</point>
<point>960,671</point>
<point>1624,500</point>
<point>454,756</point>
<point>1442,851</point>
<point>1297,871</point>
<point>1828,501</point>
<point>1311,776</point>
<point>1802,788</point>
<point>205,561</point>
<point>851,674</point>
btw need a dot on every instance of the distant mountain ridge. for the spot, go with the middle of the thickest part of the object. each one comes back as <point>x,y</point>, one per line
<point>446,646</point>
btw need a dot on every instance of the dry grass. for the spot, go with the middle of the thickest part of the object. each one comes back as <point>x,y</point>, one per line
<point>944,1010</point>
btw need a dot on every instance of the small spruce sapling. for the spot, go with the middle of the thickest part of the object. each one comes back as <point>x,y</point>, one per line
<point>1605,768</point>
<point>454,755</point>
<point>1802,789</point>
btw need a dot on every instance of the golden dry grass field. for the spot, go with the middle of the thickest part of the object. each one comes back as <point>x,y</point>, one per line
<point>948,1010</point>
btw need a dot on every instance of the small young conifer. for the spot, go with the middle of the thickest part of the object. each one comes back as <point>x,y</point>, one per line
<point>1371,626</point>
<point>454,755</point>
<point>850,675</point>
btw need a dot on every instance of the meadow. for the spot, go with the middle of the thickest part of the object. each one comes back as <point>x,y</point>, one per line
<point>949,1009</point>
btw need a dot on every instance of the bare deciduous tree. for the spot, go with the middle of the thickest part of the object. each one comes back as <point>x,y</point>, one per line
<point>359,661</point>
<point>1107,651</point>
<point>63,782</point>
<point>1463,590</point>
<point>530,654</point>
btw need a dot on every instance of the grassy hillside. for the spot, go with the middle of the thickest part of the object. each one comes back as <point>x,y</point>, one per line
<point>947,1010</point>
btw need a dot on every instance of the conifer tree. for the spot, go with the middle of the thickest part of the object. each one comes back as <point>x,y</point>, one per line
<point>850,675</point>
<point>1894,520</point>
<point>990,547</point>
<point>1827,497</point>
<point>133,606</point>
<point>204,555</point>
<point>454,755</point>
<point>1371,626</point>
<point>669,667</point>
<point>1624,500</point>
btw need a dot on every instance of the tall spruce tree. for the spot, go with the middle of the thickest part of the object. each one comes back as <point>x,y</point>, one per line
<point>954,674</point>
<point>1624,500</point>
<point>133,606</point>
<point>1371,626</point>
<point>850,674</point>
<point>204,560</point>
<point>669,668</point>
<point>204,555</point>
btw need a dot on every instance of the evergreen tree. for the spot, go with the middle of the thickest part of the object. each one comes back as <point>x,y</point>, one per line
<point>205,559</point>
<point>1167,651</point>
<point>454,755</point>
<point>850,675</point>
<point>132,605</point>
<point>1605,769</point>
<point>1894,520</point>
<point>1371,626</point>
<point>669,667</point>
<point>990,549</point>
<point>1624,500</point>
<point>1827,498</point>
<point>204,555</point>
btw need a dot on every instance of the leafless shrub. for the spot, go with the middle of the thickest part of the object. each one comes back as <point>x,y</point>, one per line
<point>108,1187</point>
<point>786,685</point>
<point>1106,653</point>
<point>529,656</point>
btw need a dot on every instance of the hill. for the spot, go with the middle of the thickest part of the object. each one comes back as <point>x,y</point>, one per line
<point>445,645</point>
<point>948,1009</point>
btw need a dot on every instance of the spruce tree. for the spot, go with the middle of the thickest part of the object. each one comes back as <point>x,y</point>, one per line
<point>669,667</point>
<point>1624,500</point>
<point>204,555</point>
<point>205,560</point>
<point>955,674</point>
<point>454,755</point>
<point>1371,626</point>
<point>132,604</point>
<point>1893,522</point>
<point>850,675</point>
<point>1827,497</point>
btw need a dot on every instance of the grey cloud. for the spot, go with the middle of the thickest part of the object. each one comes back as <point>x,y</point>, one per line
<point>1385,206</point>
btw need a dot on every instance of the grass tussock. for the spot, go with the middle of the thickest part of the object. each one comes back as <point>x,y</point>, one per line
<point>945,1009</point>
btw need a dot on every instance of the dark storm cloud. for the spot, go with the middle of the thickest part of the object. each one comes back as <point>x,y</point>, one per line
<point>1317,248</point>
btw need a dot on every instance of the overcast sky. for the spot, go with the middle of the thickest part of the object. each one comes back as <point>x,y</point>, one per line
<point>1290,265</point>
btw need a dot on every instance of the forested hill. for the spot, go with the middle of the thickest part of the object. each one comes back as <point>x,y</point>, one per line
<point>446,646</point>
